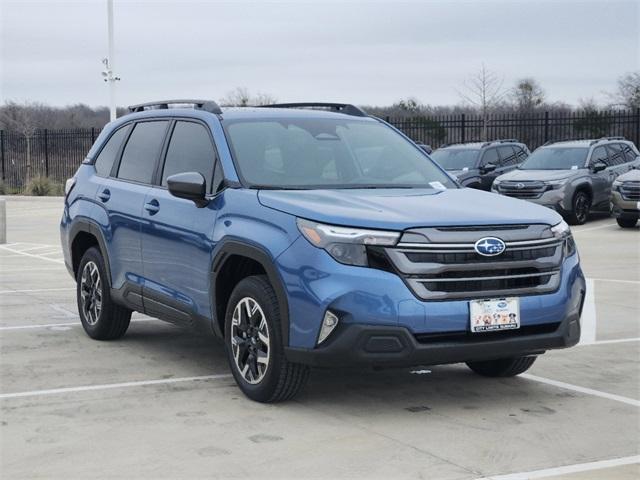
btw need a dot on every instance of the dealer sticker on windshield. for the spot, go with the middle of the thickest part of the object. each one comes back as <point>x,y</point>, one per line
<point>494,314</point>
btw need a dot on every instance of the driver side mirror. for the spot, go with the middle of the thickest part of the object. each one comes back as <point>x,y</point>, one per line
<point>426,148</point>
<point>598,166</point>
<point>489,167</point>
<point>190,186</point>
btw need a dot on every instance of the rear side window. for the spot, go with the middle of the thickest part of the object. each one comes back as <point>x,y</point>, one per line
<point>508,155</point>
<point>599,155</point>
<point>141,151</point>
<point>107,155</point>
<point>490,156</point>
<point>190,150</point>
<point>522,154</point>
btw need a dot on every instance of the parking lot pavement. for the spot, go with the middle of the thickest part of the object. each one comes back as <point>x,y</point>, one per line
<point>160,403</point>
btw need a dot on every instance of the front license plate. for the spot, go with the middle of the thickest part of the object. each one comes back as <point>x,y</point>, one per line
<point>494,314</point>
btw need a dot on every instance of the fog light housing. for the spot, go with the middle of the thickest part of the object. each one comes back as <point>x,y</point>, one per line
<point>329,322</point>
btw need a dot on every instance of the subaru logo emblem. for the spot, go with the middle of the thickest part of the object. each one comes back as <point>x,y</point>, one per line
<point>520,186</point>
<point>489,246</point>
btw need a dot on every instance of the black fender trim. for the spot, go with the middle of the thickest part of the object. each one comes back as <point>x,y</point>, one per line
<point>233,246</point>
<point>91,227</point>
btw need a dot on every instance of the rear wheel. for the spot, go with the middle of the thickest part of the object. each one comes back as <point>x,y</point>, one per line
<point>580,208</point>
<point>255,349</point>
<point>504,367</point>
<point>627,222</point>
<point>101,318</point>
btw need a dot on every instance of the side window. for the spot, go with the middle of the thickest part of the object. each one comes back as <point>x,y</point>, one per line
<point>141,151</point>
<point>599,155</point>
<point>522,154</point>
<point>616,157</point>
<point>190,150</point>
<point>507,154</point>
<point>107,155</point>
<point>490,156</point>
<point>629,154</point>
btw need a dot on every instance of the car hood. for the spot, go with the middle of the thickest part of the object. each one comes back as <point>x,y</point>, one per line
<point>632,175</point>
<point>543,175</point>
<point>400,209</point>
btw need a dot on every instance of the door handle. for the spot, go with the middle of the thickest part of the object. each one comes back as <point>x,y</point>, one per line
<point>104,195</point>
<point>152,207</point>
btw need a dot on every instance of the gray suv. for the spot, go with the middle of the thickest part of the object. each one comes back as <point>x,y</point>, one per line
<point>477,164</point>
<point>573,177</point>
<point>625,199</point>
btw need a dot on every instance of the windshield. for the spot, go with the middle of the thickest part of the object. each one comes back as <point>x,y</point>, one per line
<point>328,153</point>
<point>456,159</point>
<point>556,159</point>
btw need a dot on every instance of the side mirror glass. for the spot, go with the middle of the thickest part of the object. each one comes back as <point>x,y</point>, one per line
<point>426,148</point>
<point>598,166</point>
<point>190,186</point>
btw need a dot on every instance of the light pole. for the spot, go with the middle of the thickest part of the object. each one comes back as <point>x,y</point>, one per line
<point>109,63</point>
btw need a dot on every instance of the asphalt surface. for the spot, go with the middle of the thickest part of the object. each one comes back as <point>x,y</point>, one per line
<point>160,402</point>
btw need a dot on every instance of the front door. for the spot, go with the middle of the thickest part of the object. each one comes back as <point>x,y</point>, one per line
<point>177,235</point>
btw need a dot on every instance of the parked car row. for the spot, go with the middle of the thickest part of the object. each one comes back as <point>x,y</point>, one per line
<point>573,177</point>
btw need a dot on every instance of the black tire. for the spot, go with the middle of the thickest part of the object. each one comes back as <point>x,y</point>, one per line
<point>580,207</point>
<point>627,222</point>
<point>281,380</point>
<point>112,321</point>
<point>504,367</point>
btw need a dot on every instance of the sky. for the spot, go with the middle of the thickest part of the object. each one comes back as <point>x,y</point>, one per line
<point>361,52</point>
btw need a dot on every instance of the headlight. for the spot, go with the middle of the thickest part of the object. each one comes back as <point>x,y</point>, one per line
<point>345,244</point>
<point>563,232</point>
<point>616,184</point>
<point>556,183</point>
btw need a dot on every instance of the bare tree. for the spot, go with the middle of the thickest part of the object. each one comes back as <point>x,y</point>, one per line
<point>23,119</point>
<point>527,95</point>
<point>241,97</point>
<point>628,93</point>
<point>484,91</point>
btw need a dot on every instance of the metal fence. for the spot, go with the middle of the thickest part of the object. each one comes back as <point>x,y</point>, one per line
<point>56,154</point>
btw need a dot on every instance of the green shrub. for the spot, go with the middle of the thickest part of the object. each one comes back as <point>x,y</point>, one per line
<point>42,186</point>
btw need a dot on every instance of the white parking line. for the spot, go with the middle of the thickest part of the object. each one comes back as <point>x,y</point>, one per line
<point>31,255</point>
<point>108,386</point>
<point>567,469</point>
<point>592,228</point>
<point>617,340</point>
<point>614,280</point>
<point>587,391</point>
<point>588,317</point>
<point>37,290</point>
<point>66,324</point>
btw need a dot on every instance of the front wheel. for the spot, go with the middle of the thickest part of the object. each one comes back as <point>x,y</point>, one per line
<point>255,349</point>
<point>580,208</point>
<point>504,367</point>
<point>627,222</point>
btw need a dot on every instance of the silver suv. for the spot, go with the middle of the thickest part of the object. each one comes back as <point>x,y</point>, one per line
<point>572,177</point>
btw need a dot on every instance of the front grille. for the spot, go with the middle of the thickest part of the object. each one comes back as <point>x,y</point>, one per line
<point>522,189</point>
<point>451,268</point>
<point>469,337</point>
<point>630,190</point>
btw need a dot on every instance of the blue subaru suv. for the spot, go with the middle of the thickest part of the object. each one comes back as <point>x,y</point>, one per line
<point>311,235</point>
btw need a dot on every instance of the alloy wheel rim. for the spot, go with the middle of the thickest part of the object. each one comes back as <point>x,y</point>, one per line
<point>91,293</point>
<point>250,344</point>
<point>581,208</point>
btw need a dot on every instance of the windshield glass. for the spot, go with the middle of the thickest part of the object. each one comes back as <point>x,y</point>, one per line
<point>328,153</point>
<point>556,159</point>
<point>456,159</point>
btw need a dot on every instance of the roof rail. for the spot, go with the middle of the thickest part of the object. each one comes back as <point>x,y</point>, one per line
<point>500,140</point>
<point>206,105</point>
<point>345,108</point>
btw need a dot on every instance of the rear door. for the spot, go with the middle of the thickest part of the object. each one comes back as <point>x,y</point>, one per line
<point>122,196</point>
<point>176,234</point>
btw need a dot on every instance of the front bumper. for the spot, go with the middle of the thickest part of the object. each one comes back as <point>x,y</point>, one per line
<point>366,345</point>
<point>624,208</point>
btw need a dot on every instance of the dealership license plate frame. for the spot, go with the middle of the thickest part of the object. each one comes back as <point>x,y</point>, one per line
<point>494,314</point>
